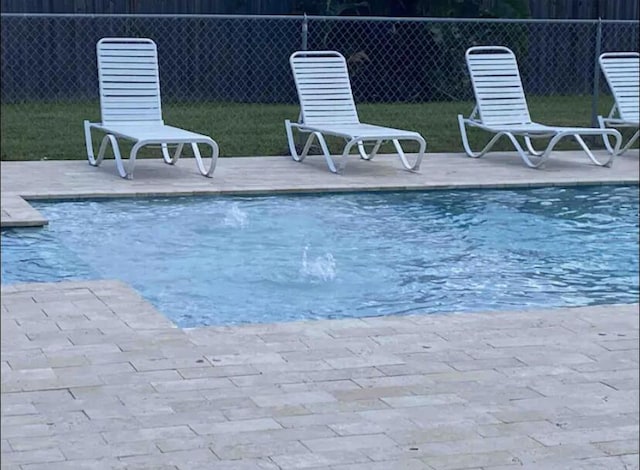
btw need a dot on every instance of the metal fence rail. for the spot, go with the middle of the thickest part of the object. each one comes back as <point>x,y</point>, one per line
<point>244,59</point>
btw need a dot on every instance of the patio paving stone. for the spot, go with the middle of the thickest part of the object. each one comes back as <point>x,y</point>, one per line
<point>94,377</point>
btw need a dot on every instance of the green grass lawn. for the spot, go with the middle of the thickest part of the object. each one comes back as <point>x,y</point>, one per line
<point>37,131</point>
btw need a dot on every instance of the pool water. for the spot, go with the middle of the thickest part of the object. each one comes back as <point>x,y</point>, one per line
<point>228,260</point>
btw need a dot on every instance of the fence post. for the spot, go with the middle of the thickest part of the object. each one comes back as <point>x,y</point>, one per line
<point>596,76</point>
<point>305,33</point>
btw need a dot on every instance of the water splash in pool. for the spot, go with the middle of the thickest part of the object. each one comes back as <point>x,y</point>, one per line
<point>321,268</point>
<point>236,217</point>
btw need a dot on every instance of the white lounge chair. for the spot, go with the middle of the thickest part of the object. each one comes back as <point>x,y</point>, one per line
<point>622,74</point>
<point>130,107</point>
<point>501,108</point>
<point>327,108</point>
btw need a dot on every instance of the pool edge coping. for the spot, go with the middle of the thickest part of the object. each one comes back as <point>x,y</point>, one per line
<point>17,212</point>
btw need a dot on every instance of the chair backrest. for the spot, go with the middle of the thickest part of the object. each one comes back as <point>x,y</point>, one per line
<point>497,86</point>
<point>621,69</point>
<point>324,90</point>
<point>129,82</point>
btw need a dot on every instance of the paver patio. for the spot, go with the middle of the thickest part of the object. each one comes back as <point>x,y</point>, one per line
<point>94,377</point>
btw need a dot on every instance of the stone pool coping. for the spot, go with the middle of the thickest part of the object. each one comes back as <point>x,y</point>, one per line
<point>93,377</point>
<point>261,175</point>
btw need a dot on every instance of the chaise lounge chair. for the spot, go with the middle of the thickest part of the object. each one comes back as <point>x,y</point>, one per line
<point>130,107</point>
<point>501,108</point>
<point>621,71</point>
<point>327,108</point>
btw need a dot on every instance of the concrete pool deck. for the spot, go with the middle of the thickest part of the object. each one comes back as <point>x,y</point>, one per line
<point>93,377</point>
<point>259,175</point>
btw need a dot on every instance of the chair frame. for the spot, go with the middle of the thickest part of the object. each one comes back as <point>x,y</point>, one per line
<point>327,107</point>
<point>618,69</point>
<point>131,108</point>
<point>501,108</point>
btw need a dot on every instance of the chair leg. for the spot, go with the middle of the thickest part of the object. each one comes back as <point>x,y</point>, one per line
<point>89,145</point>
<point>292,144</point>
<point>403,157</point>
<point>325,151</point>
<point>168,159</point>
<point>214,157</point>
<point>530,147</point>
<point>525,155</point>
<point>542,157</point>
<point>556,138</point>
<point>307,146</point>
<point>465,140</point>
<point>396,143</point>
<point>615,149</point>
<point>363,152</point>
<point>632,140</point>
<point>605,137</point>
<point>132,159</point>
<point>109,138</point>
<point>607,142</point>
<point>345,155</point>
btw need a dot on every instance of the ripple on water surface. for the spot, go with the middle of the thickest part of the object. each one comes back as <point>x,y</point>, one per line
<point>223,260</point>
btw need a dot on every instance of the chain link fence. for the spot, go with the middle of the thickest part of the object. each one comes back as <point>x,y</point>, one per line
<point>229,77</point>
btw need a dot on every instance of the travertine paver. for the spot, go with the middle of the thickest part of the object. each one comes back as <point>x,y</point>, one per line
<point>94,377</point>
<point>16,212</point>
<point>64,179</point>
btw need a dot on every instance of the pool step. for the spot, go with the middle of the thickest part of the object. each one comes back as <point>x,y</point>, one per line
<point>16,212</point>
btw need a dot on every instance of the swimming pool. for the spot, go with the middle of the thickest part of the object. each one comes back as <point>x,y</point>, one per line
<point>228,260</point>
